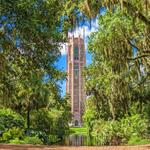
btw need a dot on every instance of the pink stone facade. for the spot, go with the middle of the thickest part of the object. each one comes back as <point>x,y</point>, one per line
<point>76,61</point>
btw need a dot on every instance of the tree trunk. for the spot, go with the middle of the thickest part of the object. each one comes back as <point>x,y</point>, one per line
<point>28,117</point>
<point>97,100</point>
<point>112,109</point>
<point>140,106</point>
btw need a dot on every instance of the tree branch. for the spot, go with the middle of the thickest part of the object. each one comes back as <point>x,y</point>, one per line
<point>144,55</point>
<point>129,6</point>
<point>133,45</point>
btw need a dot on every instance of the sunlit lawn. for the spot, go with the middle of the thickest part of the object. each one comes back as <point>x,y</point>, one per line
<point>78,130</point>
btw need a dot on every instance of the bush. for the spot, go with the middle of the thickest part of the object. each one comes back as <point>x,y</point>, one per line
<point>53,138</point>
<point>12,133</point>
<point>27,140</point>
<point>50,122</point>
<point>60,127</point>
<point>41,120</point>
<point>136,140</point>
<point>32,140</point>
<point>16,141</point>
<point>134,125</point>
<point>10,119</point>
<point>107,132</point>
<point>120,132</point>
<point>38,133</point>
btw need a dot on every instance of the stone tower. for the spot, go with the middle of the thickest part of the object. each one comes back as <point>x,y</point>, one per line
<point>76,61</point>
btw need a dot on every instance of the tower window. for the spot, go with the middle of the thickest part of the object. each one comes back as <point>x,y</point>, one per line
<point>76,71</point>
<point>76,53</point>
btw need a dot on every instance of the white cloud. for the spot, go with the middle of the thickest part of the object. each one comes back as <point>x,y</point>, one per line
<point>63,49</point>
<point>84,32</point>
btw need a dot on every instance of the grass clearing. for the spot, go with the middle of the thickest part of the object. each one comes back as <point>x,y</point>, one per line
<point>78,130</point>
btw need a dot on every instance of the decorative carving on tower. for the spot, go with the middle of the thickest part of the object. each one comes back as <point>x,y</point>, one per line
<point>76,61</point>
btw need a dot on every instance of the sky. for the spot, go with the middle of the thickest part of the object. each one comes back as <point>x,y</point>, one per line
<point>84,31</point>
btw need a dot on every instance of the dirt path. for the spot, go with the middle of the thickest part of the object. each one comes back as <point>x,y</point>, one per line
<point>31,147</point>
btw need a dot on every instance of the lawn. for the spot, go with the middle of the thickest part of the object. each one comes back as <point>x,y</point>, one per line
<point>78,130</point>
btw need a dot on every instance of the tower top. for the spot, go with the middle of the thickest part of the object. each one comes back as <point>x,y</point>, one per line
<point>79,32</point>
<point>74,39</point>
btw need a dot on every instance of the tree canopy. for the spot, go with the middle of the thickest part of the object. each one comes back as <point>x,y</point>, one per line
<point>117,81</point>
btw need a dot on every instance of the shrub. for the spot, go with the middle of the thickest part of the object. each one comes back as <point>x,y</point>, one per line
<point>27,140</point>
<point>32,140</point>
<point>60,127</point>
<point>134,125</point>
<point>53,138</point>
<point>136,140</point>
<point>38,133</point>
<point>16,141</point>
<point>107,132</point>
<point>13,133</point>
<point>10,119</point>
<point>50,122</point>
<point>120,132</point>
<point>41,120</point>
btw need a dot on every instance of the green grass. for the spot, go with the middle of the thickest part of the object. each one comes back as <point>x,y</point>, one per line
<point>78,130</point>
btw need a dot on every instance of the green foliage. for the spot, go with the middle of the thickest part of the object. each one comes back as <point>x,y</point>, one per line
<point>47,127</point>
<point>11,125</point>
<point>110,80</point>
<point>10,119</point>
<point>78,130</point>
<point>17,141</point>
<point>120,132</point>
<point>34,132</point>
<point>89,116</point>
<point>117,85</point>
<point>16,136</point>
<point>53,139</point>
<point>136,140</point>
<point>33,140</point>
<point>134,125</point>
<point>13,133</point>
<point>117,78</point>
<point>30,43</point>
<point>29,54</point>
<point>107,133</point>
<point>61,127</point>
<point>42,120</point>
<point>50,122</point>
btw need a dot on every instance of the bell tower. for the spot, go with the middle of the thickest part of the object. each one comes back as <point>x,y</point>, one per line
<point>76,61</point>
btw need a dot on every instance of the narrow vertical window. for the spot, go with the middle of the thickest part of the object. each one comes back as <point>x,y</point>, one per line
<point>76,71</point>
<point>76,53</point>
